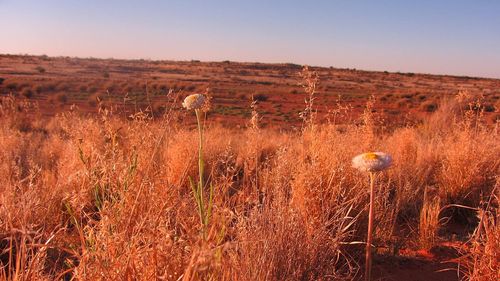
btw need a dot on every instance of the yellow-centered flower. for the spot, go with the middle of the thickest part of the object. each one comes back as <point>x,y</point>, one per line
<point>372,161</point>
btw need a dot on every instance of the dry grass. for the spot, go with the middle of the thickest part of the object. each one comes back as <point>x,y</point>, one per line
<point>104,198</point>
<point>482,262</point>
<point>429,220</point>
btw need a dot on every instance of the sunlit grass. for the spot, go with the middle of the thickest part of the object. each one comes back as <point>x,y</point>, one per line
<point>103,197</point>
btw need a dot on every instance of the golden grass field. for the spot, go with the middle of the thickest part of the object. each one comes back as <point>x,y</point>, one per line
<point>100,191</point>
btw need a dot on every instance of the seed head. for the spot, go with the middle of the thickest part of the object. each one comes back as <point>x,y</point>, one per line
<point>372,161</point>
<point>195,101</point>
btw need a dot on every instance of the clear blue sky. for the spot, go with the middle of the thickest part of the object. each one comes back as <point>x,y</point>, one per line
<point>439,36</point>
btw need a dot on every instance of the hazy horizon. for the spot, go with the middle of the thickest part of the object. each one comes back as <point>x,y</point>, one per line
<point>449,37</point>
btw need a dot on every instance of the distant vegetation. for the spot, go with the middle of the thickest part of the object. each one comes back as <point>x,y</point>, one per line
<point>144,84</point>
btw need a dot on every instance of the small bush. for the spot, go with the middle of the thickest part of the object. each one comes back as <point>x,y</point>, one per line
<point>50,87</point>
<point>12,86</point>
<point>59,98</point>
<point>62,98</point>
<point>38,89</point>
<point>422,97</point>
<point>40,69</point>
<point>429,106</point>
<point>261,97</point>
<point>27,93</point>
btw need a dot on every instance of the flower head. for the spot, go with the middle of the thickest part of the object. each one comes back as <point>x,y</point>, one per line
<point>195,101</point>
<point>372,161</point>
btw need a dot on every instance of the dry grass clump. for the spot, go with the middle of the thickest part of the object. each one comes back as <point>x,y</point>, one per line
<point>278,244</point>
<point>107,198</point>
<point>482,262</point>
<point>429,220</point>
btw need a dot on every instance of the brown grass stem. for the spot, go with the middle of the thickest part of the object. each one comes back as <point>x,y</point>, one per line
<point>368,256</point>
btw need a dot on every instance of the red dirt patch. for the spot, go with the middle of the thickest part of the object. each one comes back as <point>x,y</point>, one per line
<point>420,265</point>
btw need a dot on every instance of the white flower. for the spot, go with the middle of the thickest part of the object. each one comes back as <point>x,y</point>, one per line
<point>195,101</point>
<point>372,161</point>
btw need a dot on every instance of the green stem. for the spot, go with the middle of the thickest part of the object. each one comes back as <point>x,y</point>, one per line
<point>368,260</point>
<point>200,151</point>
<point>201,167</point>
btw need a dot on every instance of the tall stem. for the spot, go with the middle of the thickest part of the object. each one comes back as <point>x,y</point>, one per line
<point>368,260</point>
<point>200,165</point>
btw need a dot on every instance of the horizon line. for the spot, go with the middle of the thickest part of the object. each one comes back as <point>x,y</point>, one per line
<point>252,62</point>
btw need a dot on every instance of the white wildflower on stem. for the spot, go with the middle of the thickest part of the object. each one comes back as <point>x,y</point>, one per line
<point>371,162</point>
<point>195,101</point>
<point>198,103</point>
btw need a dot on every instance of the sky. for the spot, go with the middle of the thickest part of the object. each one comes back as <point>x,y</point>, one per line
<point>439,37</point>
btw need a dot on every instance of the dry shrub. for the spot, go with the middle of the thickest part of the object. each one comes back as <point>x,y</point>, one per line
<point>322,177</point>
<point>417,160</point>
<point>468,168</point>
<point>482,261</point>
<point>40,69</point>
<point>429,220</point>
<point>12,86</point>
<point>277,244</point>
<point>429,106</point>
<point>27,93</point>
<point>59,98</point>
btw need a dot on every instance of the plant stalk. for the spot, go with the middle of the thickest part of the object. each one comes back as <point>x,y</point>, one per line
<point>368,257</point>
<point>200,166</point>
